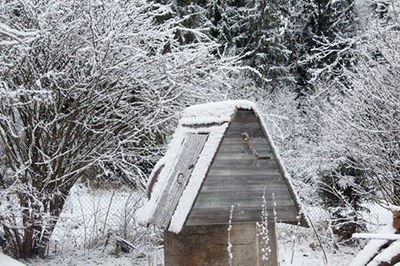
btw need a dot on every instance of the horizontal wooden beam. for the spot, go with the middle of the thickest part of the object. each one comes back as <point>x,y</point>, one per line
<point>376,236</point>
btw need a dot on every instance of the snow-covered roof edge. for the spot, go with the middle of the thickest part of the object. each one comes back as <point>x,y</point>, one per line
<point>287,176</point>
<point>146,212</point>
<point>196,179</point>
<point>214,113</point>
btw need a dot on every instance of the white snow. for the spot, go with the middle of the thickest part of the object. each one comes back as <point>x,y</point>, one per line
<point>215,112</point>
<point>373,247</point>
<point>377,236</point>
<point>8,261</point>
<point>387,255</point>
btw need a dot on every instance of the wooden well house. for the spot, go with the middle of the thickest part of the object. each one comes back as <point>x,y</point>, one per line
<point>220,169</point>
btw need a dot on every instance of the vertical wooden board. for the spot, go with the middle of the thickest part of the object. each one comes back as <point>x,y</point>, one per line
<point>208,245</point>
<point>179,177</point>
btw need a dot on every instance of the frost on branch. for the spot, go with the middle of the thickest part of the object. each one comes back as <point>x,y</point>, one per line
<point>89,93</point>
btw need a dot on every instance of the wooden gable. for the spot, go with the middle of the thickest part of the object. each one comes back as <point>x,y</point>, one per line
<point>220,156</point>
<point>240,175</point>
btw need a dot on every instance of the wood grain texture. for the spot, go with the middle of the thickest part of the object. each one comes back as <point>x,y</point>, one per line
<point>207,246</point>
<point>190,151</point>
<point>236,178</point>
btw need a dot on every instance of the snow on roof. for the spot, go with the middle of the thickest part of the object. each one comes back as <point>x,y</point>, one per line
<point>216,112</point>
<point>210,118</point>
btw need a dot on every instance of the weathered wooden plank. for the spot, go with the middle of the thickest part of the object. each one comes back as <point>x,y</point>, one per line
<point>243,163</point>
<point>207,245</point>
<point>241,171</point>
<point>227,148</point>
<point>249,125</point>
<point>225,199</point>
<point>237,178</point>
<point>220,216</point>
<point>187,158</point>
<point>263,179</point>
<point>242,203</point>
<point>240,155</point>
<point>238,140</point>
<point>282,211</point>
<point>251,186</point>
<point>245,116</point>
<point>237,132</point>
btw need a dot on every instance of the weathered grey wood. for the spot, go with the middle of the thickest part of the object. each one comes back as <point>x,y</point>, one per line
<point>248,124</point>
<point>239,155</point>
<point>255,132</point>
<point>266,177</point>
<point>237,178</point>
<point>250,187</point>
<point>238,142</point>
<point>236,147</point>
<point>207,246</point>
<point>287,214</point>
<point>272,257</point>
<point>242,195</point>
<point>245,163</point>
<point>190,151</point>
<point>273,178</point>
<point>238,171</point>
<point>245,116</point>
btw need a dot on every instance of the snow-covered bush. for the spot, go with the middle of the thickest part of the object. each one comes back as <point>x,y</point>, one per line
<point>87,89</point>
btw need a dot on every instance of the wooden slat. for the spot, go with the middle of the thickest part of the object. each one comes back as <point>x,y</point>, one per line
<point>237,178</point>
<point>237,131</point>
<point>248,124</point>
<point>238,140</point>
<point>190,151</point>
<point>283,212</point>
<point>263,179</point>
<point>235,196</point>
<point>221,216</point>
<point>253,187</point>
<point>218,203</point>
<point>237,148</point>
<point>245,116</point>
<point>238,171</point>
<point>252,163</point>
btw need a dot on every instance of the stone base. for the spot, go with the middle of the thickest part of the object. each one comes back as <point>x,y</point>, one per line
<point>208,245</point>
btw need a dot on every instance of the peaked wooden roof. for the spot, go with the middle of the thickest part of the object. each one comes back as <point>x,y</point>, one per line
<point>220,156</point>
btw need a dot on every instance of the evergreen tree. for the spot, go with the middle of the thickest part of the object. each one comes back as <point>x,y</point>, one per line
<point>320,37</point>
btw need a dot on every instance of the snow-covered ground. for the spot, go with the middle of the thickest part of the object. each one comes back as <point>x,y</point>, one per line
<point>297,246</point>
<point>7,261</point>
<point>91,214</point>
<point>300,246</point>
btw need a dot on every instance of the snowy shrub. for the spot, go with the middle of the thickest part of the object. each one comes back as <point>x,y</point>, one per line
<point>88,89</point>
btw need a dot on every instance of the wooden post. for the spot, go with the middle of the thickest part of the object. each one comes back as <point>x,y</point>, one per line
<point>207,245</point>
<point>273,256</point>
